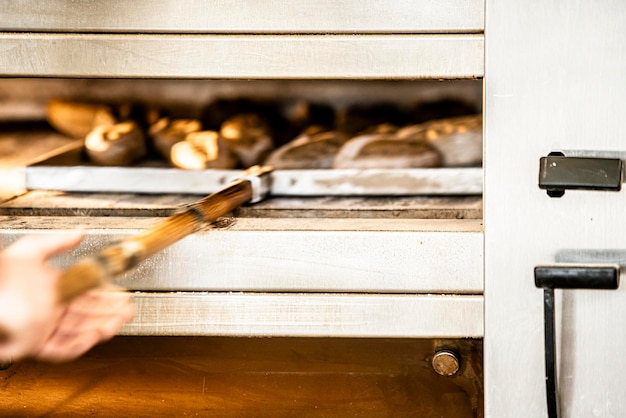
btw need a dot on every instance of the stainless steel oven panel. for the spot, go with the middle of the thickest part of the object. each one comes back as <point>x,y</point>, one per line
<point>241,16</point>
<point>307,315</point>
<point>554,81</point>
<point>241,56</point>
<point>299,254</point>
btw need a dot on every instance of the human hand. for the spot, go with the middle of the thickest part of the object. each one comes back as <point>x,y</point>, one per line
<point>33,321</point>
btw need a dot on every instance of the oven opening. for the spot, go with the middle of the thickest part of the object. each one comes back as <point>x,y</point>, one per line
<point>391,149</point>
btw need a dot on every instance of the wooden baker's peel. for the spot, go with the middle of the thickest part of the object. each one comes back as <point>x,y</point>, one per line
<point>118,258</point>
<point>102,267</point>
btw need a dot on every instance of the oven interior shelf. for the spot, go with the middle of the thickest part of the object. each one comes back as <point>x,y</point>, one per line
<point>68,170</point>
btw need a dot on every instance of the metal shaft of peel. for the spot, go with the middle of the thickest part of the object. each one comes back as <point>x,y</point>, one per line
<point>114,260</point>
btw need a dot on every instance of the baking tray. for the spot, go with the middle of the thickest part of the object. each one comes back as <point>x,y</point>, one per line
<point>67,170</point>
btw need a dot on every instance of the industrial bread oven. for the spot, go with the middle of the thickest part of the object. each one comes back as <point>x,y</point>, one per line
<point>361,301</point>
<point>372,300</point>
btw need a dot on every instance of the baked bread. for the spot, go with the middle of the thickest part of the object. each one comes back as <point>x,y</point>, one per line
<point>119,144</point>
<point>166,132</point>
<point>202,150</point>
<point>75,119</point>
<point>386,150</point>
<point>313,149</point>
<point>458,140</point>
<point>450,142</point>
<point>248,137</point>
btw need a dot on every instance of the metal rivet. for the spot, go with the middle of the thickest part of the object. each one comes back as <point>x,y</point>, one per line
<point>446,363</point>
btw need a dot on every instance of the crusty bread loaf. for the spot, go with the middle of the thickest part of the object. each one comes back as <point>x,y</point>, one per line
<point>386,151</point>
<point>248,137</point>
<point>451,142</point>
<point>202,150</point>
<point>119,144</point>
<point>75,119</point>
<point>310,150</point>
<point>167,132</point>
<point>458,140</point>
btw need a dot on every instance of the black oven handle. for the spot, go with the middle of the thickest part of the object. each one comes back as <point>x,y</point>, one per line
<point>558,173</point>
<point>566,276</point>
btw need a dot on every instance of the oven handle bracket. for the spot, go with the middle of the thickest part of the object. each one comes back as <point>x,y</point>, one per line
<point>566,276</point>
<point>558,173</point>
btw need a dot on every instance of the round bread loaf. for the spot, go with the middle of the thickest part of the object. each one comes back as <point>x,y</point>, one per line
<point>119,144</point>
<point>311,150</point>
<point>248,137</point>
<point>385,150</point>
<point>75,119</point>
<point>458,140</point>
<point>167,132</point>
<point>202,150</point>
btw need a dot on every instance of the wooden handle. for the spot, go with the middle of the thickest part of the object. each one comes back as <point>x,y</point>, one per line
<point>101,268</point>
<point>114,260</point>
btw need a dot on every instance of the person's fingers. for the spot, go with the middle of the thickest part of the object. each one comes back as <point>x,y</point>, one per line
<point>100,301</point>
<point>28,316</point>
<point>66,348</point>
<point>28,309</point>
<point>88,311</point>
<point>110,326</point>
<point>45,246</point>
<point>9,352</point>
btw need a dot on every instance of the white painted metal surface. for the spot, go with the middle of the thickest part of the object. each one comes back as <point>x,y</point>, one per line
<point>307,315</point>
<point>554,80</point>
<point>244,16</point>
<point>306,255</point>
<point>242,56</point>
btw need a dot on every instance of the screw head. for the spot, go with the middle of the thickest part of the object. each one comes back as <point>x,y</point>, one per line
<point>446,363</point>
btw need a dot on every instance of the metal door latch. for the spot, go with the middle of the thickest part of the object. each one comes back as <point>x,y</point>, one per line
<point>566,276</point>
<point>558,173</point>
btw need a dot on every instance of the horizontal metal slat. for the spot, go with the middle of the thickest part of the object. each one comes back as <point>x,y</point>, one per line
<point>67,170</point>
<point>336,182</point>
<point>291,255</point>
<point>308,315</point>
<point>242,56</point>
<point>51,203</point>
<point>243,16</point>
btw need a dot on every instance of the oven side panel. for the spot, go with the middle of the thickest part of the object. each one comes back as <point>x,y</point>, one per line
<point>554,81</point>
